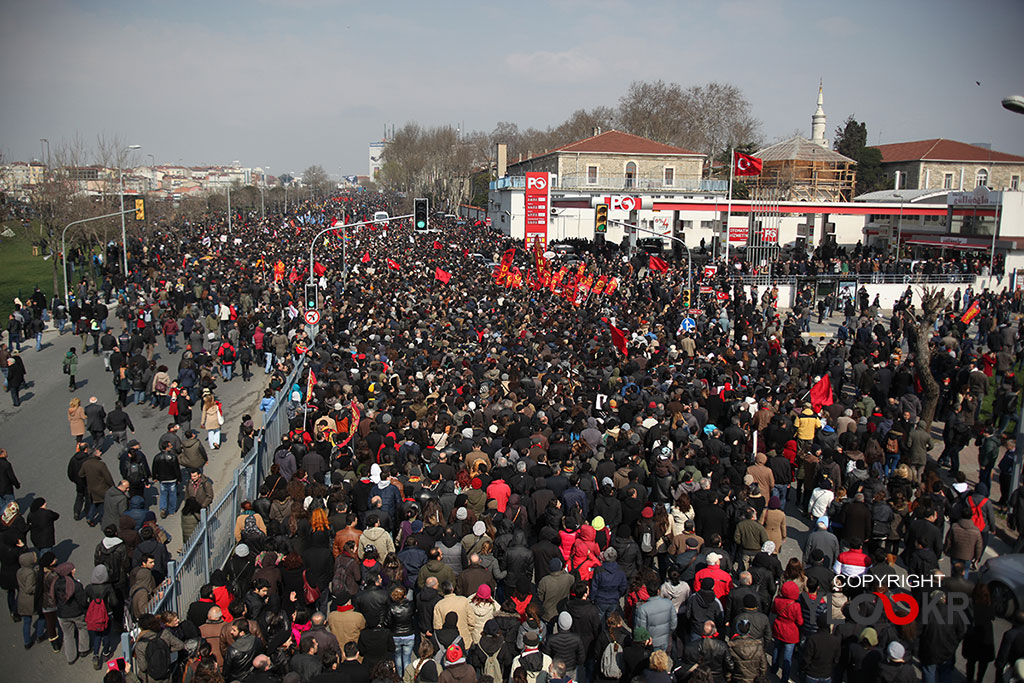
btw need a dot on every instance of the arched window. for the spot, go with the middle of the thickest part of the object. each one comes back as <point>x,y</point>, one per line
<point>981,178</point>
<point>630,174</point>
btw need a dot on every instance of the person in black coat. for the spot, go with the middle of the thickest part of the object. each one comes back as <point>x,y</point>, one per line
<point>40,525</point>
<point>8,480</point>
<point>319,561</point>
<point>15,378</point>
<point>95,421</point>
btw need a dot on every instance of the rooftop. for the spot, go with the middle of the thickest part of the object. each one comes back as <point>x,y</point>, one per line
<point>940,149</point>
<point>799,148</point>
<point>617,142</point>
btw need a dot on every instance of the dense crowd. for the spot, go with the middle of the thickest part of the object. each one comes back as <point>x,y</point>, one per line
<point>502,484</point>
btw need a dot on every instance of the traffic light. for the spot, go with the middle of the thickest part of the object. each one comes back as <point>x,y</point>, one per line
<point>601,219</point>
<point>686,298</point>
<point>311,296</point>
<point>420,210</point>
<point>140,209</point>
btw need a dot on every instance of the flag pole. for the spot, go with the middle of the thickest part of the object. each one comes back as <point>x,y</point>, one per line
<point>728,211</point>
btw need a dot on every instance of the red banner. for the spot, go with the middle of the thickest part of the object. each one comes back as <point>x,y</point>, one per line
<point>537,199</point>
<point>971,313</point>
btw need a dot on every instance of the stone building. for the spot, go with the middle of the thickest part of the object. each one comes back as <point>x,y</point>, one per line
<point>940,164</point>
<point>617,161</point>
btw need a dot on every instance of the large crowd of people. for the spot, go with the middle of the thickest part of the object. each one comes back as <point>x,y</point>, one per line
<point>506,484</point>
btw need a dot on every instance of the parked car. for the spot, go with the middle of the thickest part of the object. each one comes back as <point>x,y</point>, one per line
<point>1005,578</point>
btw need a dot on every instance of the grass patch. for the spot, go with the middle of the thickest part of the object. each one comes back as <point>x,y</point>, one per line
<point>20,271</point>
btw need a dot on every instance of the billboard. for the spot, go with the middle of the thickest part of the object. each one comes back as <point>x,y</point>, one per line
<point>537,204</point>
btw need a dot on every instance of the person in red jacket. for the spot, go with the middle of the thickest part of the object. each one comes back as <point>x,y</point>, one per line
<point>786,628</point>
<point>714,571</point>
<point>227,354</point>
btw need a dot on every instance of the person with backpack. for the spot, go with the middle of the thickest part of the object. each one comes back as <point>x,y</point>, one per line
<point>227,354</point>
<point>531,659</point>
<point>491,654</point>
<point>981,511</point>
<point>99,615</point>
<point>167,472</point>
<point>135,469</point>
<point>151,656</point>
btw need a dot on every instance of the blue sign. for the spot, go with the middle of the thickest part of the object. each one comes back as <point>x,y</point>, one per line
<point>689,324</point>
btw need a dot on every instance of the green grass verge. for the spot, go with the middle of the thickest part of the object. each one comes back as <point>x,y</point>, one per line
<point>20,271</point>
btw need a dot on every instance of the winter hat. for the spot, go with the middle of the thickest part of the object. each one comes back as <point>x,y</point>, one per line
<point>242,550</point>
<point>768,547</point>
<point>564,622</point>
<point>484,591</point>
<point>479,529</point>
<point>100,574</point>
<point>598,523</point>
<point>750,601</point>
<point>428,672</point>
<point>707,583</point>
<point>610,554</point>
<point>461,514</point>
<point>896,651</point>
<point>453,655</point>
<point>647,512</point>
<point>871,635</point>
<point>554,564</point>
<point>823,522</point>
<point>641,634</point>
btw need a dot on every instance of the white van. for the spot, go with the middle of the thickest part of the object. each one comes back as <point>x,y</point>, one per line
<point>381,216</point>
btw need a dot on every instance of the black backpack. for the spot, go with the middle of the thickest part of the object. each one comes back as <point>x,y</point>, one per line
<point>158,658</point>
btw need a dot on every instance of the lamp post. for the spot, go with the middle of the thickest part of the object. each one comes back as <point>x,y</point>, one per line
<point>344,243</point>
<point>124,232</point>
<point>47,157</point>
<point>899,226</point>
<point>689,258</point>
<point>152,170</point>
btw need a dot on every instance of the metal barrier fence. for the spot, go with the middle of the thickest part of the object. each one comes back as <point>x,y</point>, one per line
<point>213,540</point>
<point>860,279</point>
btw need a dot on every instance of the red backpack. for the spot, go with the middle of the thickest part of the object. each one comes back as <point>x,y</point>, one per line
<point>976,512</point>
<point>96,616</point>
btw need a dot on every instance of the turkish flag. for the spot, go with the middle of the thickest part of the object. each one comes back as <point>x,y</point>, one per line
<point>658,264</point>
<point>821,393</point>
<point>438,245</point>
<point>722,296</point>
<point>393,265</point>
<point>744,164</point>
<point>442,275</point>
<point>366,258</point>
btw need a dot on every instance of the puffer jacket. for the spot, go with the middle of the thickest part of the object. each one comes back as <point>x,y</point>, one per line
<point>748,659</point>
<point>711,653</point>
<point>789,617</point>
<point>608,584</point>
<point>658,615</point>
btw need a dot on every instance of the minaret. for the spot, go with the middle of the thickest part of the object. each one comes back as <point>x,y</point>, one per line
<point>818,122</point>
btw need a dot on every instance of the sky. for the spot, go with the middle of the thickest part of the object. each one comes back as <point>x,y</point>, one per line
<point>284,84</point>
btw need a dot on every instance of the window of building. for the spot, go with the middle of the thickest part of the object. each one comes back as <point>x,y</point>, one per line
<point>707,225</point>
<point>670,176</point>
<point>686,224</point>
<point>630,175</point>
<point>903,181</point>
<point>1015,182</point>
<point>981,178</point>
<point>591,175</point>
<point>947,181</point>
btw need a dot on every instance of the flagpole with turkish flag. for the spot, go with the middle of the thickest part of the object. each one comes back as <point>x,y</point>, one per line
<point>728,210</point>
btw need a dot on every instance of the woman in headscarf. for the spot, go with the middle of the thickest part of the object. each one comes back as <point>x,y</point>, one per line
<point>72,602</point>
<point>774,521</point>
<point>28,604</point>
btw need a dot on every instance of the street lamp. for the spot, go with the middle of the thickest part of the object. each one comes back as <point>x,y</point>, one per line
<point>899,227</point>
<point>1014,103</point>
<point>47,157</point>
<point>124,232</point>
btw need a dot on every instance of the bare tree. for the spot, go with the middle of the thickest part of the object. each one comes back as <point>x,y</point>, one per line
<point>933,301</point>
<point>316,178</point>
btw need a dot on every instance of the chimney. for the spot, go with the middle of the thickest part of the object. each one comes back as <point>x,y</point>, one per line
<point>596,131</point>
<point>502,154</point>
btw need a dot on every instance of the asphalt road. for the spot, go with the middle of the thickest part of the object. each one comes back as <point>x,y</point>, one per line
<point>39,445</point>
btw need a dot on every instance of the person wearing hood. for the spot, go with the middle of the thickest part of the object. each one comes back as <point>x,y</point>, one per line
<point>543,551</point>
<point>29,601</point>
<point>193,456</point>
<point>71,601</point>
<point>762,474</point>
<point>112,552</point>
<point>376,536</point>
<point>658,616</point>
<point>608,583</point>
<point>786,628</point>
<point>137,511</point>
<point>518,561</point>
<point>566,645</point>
<point>703,606</point>
<point>101,642</point>
<point>807,425</point>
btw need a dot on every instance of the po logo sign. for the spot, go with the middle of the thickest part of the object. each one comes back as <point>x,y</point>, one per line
<point>625,203</point>
<point>537,182</point>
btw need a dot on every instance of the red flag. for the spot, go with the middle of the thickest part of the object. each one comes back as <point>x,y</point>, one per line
<point>971,313</point>
<point>393,265</point>
<point>442,276</point>
<point>821,393</point>
<point>309,386</point>
<point>319,269</point>
<point>658,264</point>
<point>619,339</point>
<point>334,221</point>
<point>744,164</point>
<point>612,285</point>
<point>366,258</point>
<point>722,296</point>
<point>438,245</point>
